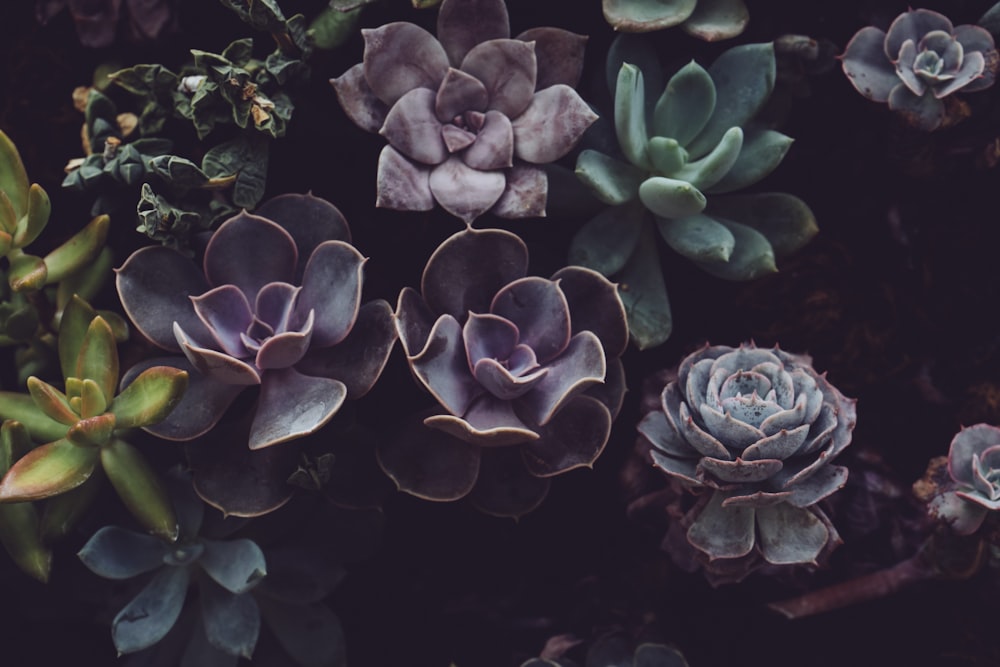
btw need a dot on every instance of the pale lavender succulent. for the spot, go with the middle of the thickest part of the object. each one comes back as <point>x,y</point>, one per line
<point>277,304</point>
<point>974,466</point>
<point>922,59</point>
<point>753,431</point>
<point>526,370</point>
<point>468,115</point>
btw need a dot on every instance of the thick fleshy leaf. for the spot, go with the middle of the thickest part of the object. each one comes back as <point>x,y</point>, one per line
<point>644,293</point>
<point>98,358</point>
<point>19,536</point>
<point>150,397</point>
<point>292,405</point>
<point>358,100</point>
<point>331,286</point>
<point>817,486</point>
<point>155,285</point>
<point>559,54</point>
<point>140,488</point>
<point>740,471</point>
<point>150,615</point>
<point>459,92</point>
<point>963,516</point>
<point>26,273</point>
<point>310,220</point>
<point>429,463</point>
<point>780,445</point>
<point>913,25</point>
<point>612,181</point>
<point>683,469</point>
<point>400,57</point>
<point>286,349</point>
<point>494,145</point>
<point>91,400</point>
<point>977,38</point>
<point>443,366</point>
<point>310,634</point>
<point>488,336</point>
<point>606,241</point>
<point>34,221</point>
<point>525,194</point>
<point>579,367</point>
<point>412,128</point>
<point>226,313</point>
<point>743,77</point>
<point>647,15</point>
<point>232,622</point>
<point>630,116</point>
<point>505,488</point>
<point>762,151</point>
<point>752,256</point>
<point>867,67</point>
<point>13,178</point>
<point>501,383</point>
<point>218,366</point>
<point>972,68</point>
<point>485,259</point>
<point>685,106</point>
<point>790,535</point>
<point>23,409</point>
<point>551,125</point>
<point>969,442</point>
<point>786,221</point>
<point>92,432</point>
<point>713,20</point>
<point>539,310</point>
<point>462,24</point>
<point>723,532</point>
<point>402,185</point>
<point>594,305</point>
<point>236,565</point>
<point>116,553</point>
<point>573,438</point>
<point>489,422</point>
<point>656,428</point>
<point>249,251</point>
<point>709,170</point>
<point>465,192</point>
<point>52,402</point>
<point>671,198</point>
<point>925,112</point>
<point>48,471</point>
<point>77,252</point>
<point>698,237</point>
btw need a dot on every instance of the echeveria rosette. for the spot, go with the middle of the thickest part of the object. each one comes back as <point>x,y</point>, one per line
<point>922,59</point>
<point>711,20</point>
<point>683,154</point>
<point>974,466</point>
<point>276,304</point>
<point>469,115</point>
<point>753,432</point>
<point>525,368</point>
<point>85,425</point>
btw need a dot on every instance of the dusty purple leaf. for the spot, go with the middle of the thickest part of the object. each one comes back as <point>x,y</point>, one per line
<point>400,57</point>
<point>465,192</point>
<point>551,125</point>
<point>507,68</point>
<point>412,128</point>
<point>402,185</point>
<point>249,251</point>
<point>462,24</point>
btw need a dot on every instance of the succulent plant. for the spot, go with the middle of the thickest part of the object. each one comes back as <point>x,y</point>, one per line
<point>277,304</point>
<point>974,467</point>
<point>525,368</point>
<point>97,20</point>
<point>470,117</point>
<point>697,140</point>
<point>751,432</point>
<point>710,20</point>
<point>921,60</point>
<point>19,522</point>
<point>85,426</point>
<point>615,650</point>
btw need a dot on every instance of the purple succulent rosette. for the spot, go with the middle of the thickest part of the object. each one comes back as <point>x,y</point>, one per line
<point>921,60</point>
<point>974,466</point>
<point>751,432</point>
<point>468,115</point>
<point>277,303</point>
<point>526,369</point>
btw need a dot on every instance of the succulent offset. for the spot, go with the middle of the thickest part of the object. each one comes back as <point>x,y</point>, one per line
<point>469,118</point>
<point>526,370</point>
<point>274,305</point>
<point>710,20</point>
<point>974,467</point>
<point>752,433</point>
<point>921,60</point>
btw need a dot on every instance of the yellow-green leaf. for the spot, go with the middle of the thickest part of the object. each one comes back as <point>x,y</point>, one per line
<point>139,488</point>
<point>76,319</point>
<point>48,471</point>
<point>22,408</point>
<point>98,358</point>
<point>33,222</point>
<point>92,432</point>
<point>92,400</point>
<point>63,513</point>
<point>14,443</point>
<point>86,283</point>
<point>52,402</point>
<point>78,251</point>
<point>8,217</point>
<point>13,179</point>
<point>150,397</point>
<point>20,537</point>
<point>27,273</point>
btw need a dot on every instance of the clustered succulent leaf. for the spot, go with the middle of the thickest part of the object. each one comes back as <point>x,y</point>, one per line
<point>20,532</point>
<point>469,115</point>
<point>974,468</point>
<point>680,159</point>
<point>710,20</point>
<point>752,432</point>
<point>84,426</point>
<point>921,60</point>
<point>274,306</point>
<point>526,370</point>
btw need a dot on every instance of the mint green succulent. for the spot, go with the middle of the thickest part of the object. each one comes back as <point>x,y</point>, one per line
<point>710,20</point>
<point>681,157</point>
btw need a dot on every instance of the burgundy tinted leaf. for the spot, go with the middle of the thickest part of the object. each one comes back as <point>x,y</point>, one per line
<point>465,192</point>
<point>292,405</point>
<point>402,185</point>
<point>559,54</point>
<point>507,68</point>
<point>539,310</point>
<point>594,305</point>
<point>250,251</point>
<point>310,220</point>
<point>578,368</point>
<point>226,313</point>
<point>505,488</point>
<point>462,24</point>
<point>526,194</point>
<point>154,286</point>
<point>358,100</point>
<point>459,92</point>
<point>574,438</point>
<point>551,125</point>
<point>285,349</point>
<point>489,422</point>
<point>217,365</point>
<point>47,471</point>
<point>443,367</point>
<point>429,463</point>
<point>485,259</point>
<point>494,145</point>
<point>413,129</point>
<point>400,57</point>
<point>331,286</point>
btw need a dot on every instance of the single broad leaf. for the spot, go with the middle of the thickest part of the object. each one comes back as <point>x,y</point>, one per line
<point>612,181</point>
<point>671,198</point>
<point>236,565</point>
<point>644,293</point>
<point>48,471</point>
<point>232,622</point>
<point>698,237</point>
<point>752,255</point>
<point>116,553</point>
<point>245,158</point>
<point>139,488</point>
<point>637,50</point>
<point>91,432</point>
<point>27,273</point>
<point>19,532</point>
<point>685,105</point>
<point>93,402</point>
<point>713,20</point>
<point>762,152</point>
<point>13,178</point>
<point>76,319</point>
<point>709,170</point>
<point>98,358</point>
<point>150,397</point>
<point>150,615</point>
<point>88,282</point>
<point>37,217</point>
<point>79,251</point>
<point>15,442</point>
<point>22,408</point>
<point>630,116</point>
<point>52,402</point>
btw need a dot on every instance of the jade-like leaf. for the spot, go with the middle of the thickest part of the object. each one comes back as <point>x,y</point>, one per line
<point>78,251</point>
<point>13,179</point>
<point>19,532</point>
<point>744,78</point>
<point>27,273</point>
<point>22,408</point>
<point>92,432</point>
<point>8,218</point>
<point>98,358</point>
<point>6,241</point>
<point>636,50</point>
<point>647,15</point>
<point>139,488</point>
<point>52,402</point>
<point>92,400</point>
<point>685,106</point>
<point>606,241</point>
<point>150,397</point>
<point>752,255</point>
<point>667,156</point>
<point>698,237</point>
<point>644,294</point>
<point>73,327</point>
<point>48,471</point>
<point>762,152</point>
<point>709,170</point>
<point>32,224</point>
<point>785,220</point>
<point>630,116</point>
<point>86,283</point>
<point>150,615</point>
<point>671,198</point>
<point>612,181</point>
